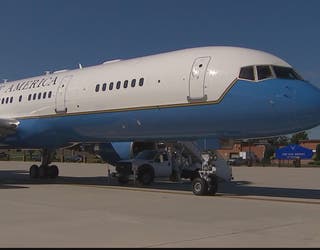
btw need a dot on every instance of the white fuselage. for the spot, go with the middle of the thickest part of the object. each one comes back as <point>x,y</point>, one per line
<point>169,79</point>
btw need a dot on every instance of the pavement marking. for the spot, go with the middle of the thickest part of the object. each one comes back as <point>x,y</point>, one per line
<point>287,200</point>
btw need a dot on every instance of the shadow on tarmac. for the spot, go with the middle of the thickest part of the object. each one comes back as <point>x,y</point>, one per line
<point>16,179</point>
<point>239,189</point>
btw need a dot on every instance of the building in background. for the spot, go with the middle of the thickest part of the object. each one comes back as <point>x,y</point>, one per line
<point>310,144</point>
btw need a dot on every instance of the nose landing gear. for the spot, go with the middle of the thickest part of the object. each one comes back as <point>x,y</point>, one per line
<point>207,182</point>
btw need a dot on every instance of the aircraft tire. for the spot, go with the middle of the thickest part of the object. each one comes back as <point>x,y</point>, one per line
<point>53,171</point>
<point>199,186</point>
<point>43,172</point>
<point>34,171</point>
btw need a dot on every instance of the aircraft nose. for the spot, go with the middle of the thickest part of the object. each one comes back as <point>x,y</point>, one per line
<point>307,105</point>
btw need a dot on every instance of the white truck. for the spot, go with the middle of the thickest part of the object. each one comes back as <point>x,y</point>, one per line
<point>149,164</point>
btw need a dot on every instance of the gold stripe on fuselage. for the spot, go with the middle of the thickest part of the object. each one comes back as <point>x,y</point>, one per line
<point>136,108</point>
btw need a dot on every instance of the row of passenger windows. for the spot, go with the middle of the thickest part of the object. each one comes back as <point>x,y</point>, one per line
<point>119,84</point>
<point>261,72</point>
<point>44,95</point>
<point>6,100</point>
<point>39,96</point>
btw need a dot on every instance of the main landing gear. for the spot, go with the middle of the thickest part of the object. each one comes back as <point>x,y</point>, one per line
<point>44,170</point>
<point>207,181</point>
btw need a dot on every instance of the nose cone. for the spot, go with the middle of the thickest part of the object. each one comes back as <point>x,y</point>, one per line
<point>307,105</point>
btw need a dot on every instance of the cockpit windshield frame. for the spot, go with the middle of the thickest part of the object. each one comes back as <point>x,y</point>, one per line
<point>258,73</point>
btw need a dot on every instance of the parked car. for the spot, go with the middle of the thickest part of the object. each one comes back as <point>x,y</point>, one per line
<point>238,161</point>
<point>36,158</point>
<point>73,158</point>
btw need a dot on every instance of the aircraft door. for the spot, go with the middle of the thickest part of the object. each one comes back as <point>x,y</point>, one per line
<point>61,95</point>
<point>197,79</point>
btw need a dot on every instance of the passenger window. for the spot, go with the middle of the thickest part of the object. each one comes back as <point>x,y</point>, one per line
<point>49,94</point>
<point>44,95</point>
<point>264,72</point>
<point>141,81</point>
<point>39,96</point>
<point>111,86</point>
<point>104,87</point>
<point>20,98</point>
<point>34,96</point>
<point>247,73</point>
<point>11,99</point>
<point>2,102</point>
<point>125,84</point>
<point>118,84</point>
<point>133,83</point>
<point>97,87</point>
<point>7,99</point>
<point>29,97</point>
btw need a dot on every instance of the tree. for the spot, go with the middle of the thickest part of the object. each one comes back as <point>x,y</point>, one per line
<point>271,145</point>
<point>299,136</point>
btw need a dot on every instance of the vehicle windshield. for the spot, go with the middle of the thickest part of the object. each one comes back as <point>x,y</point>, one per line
<point>146,155</point>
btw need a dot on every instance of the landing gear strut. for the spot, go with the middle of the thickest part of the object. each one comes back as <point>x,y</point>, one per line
<point>45,170</point>
<point>207,182</point>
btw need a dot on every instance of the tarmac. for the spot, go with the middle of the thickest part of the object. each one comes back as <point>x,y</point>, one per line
<point>261,207</point>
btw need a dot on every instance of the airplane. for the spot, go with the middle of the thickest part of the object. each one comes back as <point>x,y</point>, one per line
<point>206,94</point>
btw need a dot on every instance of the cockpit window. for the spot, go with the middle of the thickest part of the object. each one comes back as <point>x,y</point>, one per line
<point>261,72</point>
<point>264,72</point>
<point>247,73</point>
<point>286,73</point>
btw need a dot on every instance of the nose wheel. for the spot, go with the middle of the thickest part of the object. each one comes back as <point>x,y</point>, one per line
<point>207,185</point>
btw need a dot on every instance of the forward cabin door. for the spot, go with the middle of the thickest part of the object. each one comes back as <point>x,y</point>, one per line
<point>197,80</point>
<point>61,95</point>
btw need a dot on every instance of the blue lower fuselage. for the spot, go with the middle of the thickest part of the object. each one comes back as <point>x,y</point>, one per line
<point>248,110</point>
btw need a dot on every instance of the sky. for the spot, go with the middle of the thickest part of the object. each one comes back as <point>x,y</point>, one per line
<point>48,35</point>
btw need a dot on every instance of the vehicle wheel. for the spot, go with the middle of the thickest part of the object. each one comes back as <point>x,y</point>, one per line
<point>122,179</point>
<point>199,186</point>
<point>34,171</point>
<point>213,185</point>
<point>145,176</point>
<point>53,171</point>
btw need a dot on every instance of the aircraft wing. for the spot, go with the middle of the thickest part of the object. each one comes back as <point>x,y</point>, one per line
<point>8,127</point>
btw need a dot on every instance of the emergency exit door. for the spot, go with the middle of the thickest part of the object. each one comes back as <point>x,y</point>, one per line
<point>197,79</point>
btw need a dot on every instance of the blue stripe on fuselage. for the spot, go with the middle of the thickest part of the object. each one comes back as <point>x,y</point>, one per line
<point>249,109</point>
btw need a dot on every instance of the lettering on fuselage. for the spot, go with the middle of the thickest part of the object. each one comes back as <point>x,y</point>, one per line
<point>29,84</point>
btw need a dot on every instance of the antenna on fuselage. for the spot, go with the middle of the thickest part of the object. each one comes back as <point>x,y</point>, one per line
<point>80,66</point>
<point>5,80</point>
